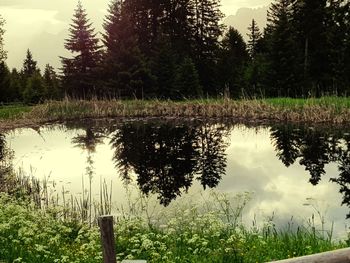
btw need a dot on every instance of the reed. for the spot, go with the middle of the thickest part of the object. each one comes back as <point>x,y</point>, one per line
<point>327,109</point>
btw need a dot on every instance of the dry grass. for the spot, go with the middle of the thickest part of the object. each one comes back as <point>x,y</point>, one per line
<point>316,111</point>
<point>235,109</point>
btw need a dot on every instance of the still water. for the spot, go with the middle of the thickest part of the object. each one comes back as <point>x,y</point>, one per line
<point>289,171</point>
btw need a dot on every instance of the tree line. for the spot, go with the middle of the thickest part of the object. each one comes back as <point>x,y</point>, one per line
<point>179,49</point>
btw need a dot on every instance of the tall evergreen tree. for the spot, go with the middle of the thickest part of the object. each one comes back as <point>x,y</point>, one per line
<point>83,44</point>
<point>29,65</point>
<point>125,66</point>
<point>5,82</point>
<point>3,53</point>
<point>283,76</point>
<point>310,21</point>
<point>254,38</point>
<point>15,86</point>
<point>232,61</point>
<point>207,30</point>
<point>187,80</point>
<point>51,83</point>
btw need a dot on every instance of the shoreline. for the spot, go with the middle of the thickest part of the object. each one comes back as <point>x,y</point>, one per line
<point>323,111</point>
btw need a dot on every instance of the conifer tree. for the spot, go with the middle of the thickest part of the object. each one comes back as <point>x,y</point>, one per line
<point>187,82</point>
<point>125,67</point>
<point>34,91</point>
<point>5,81</point>
<point>232,60</point>
<point>310,18</point>
<point>29,65</point>
<point>15,86</point>
<point>3,53</point>
<point>254,37</point>
<point>51,83</point>
<point>283,75</point>
<point>83,44</point>
<point>206,33</point>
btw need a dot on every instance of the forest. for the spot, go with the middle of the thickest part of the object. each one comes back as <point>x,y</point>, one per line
<point>179,49</point>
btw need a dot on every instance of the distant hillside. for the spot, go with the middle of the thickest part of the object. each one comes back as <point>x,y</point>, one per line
<point>242,19</point>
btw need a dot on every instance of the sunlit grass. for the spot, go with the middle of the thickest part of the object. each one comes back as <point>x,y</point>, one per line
<point>334,110</point>
<point>13,111</point>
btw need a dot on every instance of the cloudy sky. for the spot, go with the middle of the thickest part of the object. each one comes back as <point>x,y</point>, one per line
<point>42,25</point>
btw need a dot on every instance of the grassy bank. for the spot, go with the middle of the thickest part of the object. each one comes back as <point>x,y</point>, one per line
<point>187,235</point>
<point>334,110</point>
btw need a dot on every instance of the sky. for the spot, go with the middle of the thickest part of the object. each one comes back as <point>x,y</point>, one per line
<point>42,25</point>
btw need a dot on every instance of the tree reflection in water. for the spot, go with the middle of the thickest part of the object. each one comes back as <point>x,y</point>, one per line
<point>315,148</point>
<point>166,157</point>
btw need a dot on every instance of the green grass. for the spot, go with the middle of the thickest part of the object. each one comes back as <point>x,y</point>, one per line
<point>13,111</point>
<point>335,110</point>
<point>187,234</point>
<point>340,102</point>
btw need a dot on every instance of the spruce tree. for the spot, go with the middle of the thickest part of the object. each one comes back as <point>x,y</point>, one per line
<point>3,53</point>
<point>254,37</point>
<point>79,71</point>
<point>232,60</point>
<point>125,67</point>
<point>15,86</point>
<point>51,83</point>
<point>187,82</point>
<point>310,21</point>
<point>29,65</point>
<point>5,81</point>
<point>283,75</point>
<point>207,30</point>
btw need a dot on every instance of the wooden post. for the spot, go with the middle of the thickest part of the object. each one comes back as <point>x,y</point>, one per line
<point>336,256</point>
<point>107,239</point>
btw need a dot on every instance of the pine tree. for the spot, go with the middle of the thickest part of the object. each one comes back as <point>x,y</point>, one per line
<point>232,60</point>
<point>83,44</point>
<point>187,82</point>
<point>125,67</point>
<point>310,21</point>
<point>5,81</point>
<point>34,91</point>
<point>3,53</point>
<point>15,86</point>
<point>206,33</point>
<point>254,37</point>
<point>283,75</point>
<point>29,65</point>
<point>51,83</point>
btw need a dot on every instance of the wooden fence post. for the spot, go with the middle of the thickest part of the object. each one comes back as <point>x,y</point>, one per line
<point>107,239</point>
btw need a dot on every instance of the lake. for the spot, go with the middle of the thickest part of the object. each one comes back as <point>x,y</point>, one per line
<point>287,171</point>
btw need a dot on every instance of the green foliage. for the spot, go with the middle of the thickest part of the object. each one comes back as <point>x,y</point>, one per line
<point>80,71</point>
<point>5,82</point>
<point>187,234</point>
<point>3,53</point>
<point>51,83</point>
<point>34,91</point>
<point>29,235</point>
<point>187,80</point>
<point>233,59</point>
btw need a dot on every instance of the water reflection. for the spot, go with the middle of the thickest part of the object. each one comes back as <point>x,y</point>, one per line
<point>88,142</point>
<point>166,158</point>
<point>315,148</point>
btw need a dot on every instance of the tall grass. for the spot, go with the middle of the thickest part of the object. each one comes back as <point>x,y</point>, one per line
<point>190,232</point>
<point>334,110</point>
<point>326,109</point>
